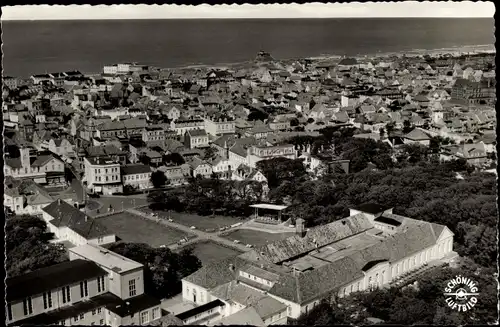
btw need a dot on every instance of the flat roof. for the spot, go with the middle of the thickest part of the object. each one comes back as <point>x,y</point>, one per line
<point>269,206</point>
<point>105,258</point>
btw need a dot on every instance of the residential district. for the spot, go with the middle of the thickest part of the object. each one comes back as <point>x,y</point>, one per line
<point>75,140</point>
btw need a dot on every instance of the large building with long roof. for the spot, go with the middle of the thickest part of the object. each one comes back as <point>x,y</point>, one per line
<point>371,248</point>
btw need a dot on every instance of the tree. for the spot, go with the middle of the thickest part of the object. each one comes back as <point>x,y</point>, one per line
<point>407,128</point>
<point>310,120</point>
<point>27,246</point>
<point>280,169</point>
<point>163,269</point>
<point>158,179</point>
<point>210,153</point>
<point>174,158</point>
<point>294,122</point>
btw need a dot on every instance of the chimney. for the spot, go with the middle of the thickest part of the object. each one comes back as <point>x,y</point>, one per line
<point>299,227</point>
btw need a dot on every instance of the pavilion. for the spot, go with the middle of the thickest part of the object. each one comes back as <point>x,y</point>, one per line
<point>269,212</point>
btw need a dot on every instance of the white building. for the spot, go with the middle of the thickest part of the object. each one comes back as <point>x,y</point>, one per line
<point>102,175</point>
<point>369,249</point>
<point>72,225</point>
<point>137,175</point>
<point>96,287</point>
<point>218,126</point>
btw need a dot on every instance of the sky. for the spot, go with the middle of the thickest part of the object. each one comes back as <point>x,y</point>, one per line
<point>308,10</point>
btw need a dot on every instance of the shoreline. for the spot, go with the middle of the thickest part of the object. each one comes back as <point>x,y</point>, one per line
<point>453,51</point>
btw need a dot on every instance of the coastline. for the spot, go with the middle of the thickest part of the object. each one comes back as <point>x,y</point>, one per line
<point>453,51</point>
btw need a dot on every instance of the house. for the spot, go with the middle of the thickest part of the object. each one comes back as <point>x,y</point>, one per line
<point>417,136</point>
<point>137,176</point>
<point>102,175</point>
<point>216,126</point>
<point>95,287</point>
<point>200,167</point>
<point>176,175</point>
<point>62,147</point>
<point>72,225</point>
<point>42,167</point>
<point>196,138</point>
<point>153,133</point>
<point>27,197</point>
<point>258,131</point>
<point>369,249</point>
<point>474,153</point>
<point>181,126</point>
<point>256,153</point>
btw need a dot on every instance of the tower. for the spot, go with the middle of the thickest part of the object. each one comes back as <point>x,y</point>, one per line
<point>25,157</point>
<point>299,227</point>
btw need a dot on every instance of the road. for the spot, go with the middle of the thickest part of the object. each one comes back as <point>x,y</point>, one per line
<point>201,235</point>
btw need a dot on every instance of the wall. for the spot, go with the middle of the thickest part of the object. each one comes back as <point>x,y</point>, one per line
<point>202,295</point>
<point>138,275</point>
<point>56,294</point>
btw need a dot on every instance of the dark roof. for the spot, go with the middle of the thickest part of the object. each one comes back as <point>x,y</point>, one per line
<point>388,220</point>
<point>133,305</point>
<point>49,278</point>
<point>372,208</point>
<point>135,169</point>
<point>197,132</point>
<point>372,264</point>
<point>66,215</point>
<point>200,309</point>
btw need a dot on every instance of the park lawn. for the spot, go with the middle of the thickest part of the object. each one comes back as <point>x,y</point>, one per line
<point>256,238</point>
<point>208,251</point>
<point>135,229</point>
<point>204,223</point>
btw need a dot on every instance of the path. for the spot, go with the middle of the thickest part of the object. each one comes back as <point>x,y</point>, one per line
<point>200,234</point>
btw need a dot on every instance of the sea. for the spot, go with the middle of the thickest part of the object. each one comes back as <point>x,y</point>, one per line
<point>36,47</point>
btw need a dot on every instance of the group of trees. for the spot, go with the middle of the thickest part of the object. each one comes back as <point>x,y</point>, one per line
<point>27,245</point>
<point>163,269</point>
<point>420,304</point>
<point>208,196</point>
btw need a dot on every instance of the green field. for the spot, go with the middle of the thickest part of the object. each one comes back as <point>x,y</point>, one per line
<point>256,238</point>
<point>135,229</point>
<point>208,251</point>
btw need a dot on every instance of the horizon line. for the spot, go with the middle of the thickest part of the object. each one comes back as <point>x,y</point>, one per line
<point>239,18</point>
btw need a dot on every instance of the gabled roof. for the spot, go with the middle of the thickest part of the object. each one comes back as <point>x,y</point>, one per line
<point>65,215</point>
<point>417,135</point>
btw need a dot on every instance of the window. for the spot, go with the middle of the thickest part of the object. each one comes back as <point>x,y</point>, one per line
<point>27,306</point>
<point>99,310</point>
<point>156,313</point>
<point>9,311</point>
<point>131,287</point>
<point>101,322</point>
<point>144,317</point>
<point>82,315</point>
<point>84,290</point>
<point>100,280</point>
<point>47,300</point>
<point>75,318</point>
<point>93,312</point>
